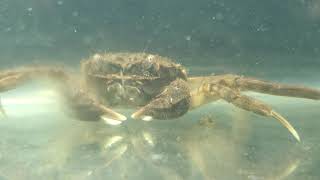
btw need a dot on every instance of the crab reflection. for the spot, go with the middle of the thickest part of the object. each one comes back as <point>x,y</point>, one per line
<point>198,149</point>
<point>219,154</point>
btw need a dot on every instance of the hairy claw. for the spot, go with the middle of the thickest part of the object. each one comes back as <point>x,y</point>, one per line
<point>172,102</point>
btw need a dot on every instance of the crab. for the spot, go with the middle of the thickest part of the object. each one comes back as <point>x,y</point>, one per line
<point>155,85</point>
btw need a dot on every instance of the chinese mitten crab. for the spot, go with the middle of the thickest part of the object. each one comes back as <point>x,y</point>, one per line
<point>156,86</point>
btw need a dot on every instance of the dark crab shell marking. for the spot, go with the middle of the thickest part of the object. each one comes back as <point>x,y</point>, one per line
<point>130,79</point>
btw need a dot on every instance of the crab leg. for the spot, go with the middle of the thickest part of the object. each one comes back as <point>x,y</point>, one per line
<point>228,87</point>
<point>11,82</point>
<point>11,79</point>
<point>2,111</point>
<point>8,83</point>
<point>247,103</point>
<point>81,104</point>
<point>250,84</point>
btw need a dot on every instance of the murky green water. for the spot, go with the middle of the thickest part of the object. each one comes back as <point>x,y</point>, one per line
<point>273,40</point>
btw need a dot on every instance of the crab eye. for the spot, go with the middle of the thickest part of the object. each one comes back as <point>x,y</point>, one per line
<point>150,57</point>
<point>97,57</point>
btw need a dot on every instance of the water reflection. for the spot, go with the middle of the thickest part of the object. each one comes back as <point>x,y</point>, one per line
<point>138,150</point>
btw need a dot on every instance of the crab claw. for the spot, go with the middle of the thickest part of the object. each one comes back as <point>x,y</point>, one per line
<point>111,117</point>
<point>95,112</point>
<point>142,114</point>
<point>84,107</point>
<point>173,102</point>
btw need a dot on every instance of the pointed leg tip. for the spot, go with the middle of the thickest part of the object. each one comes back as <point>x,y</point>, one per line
<point>295,134</point>
<point>113,118</point>
<point>140,115</point>
<point>134,116</point>
<point>109,113</point>
<point>286,124</point>
<point>2,111</point>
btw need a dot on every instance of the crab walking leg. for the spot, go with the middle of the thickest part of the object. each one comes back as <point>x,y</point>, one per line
<point>253,105</point>
<point>11,79</point>
<point>261,86</point>
<point>2,111</point>
<point>251,84</point>
<point>8,83</point>
<point>11,82</point>
<point>81,103</point>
